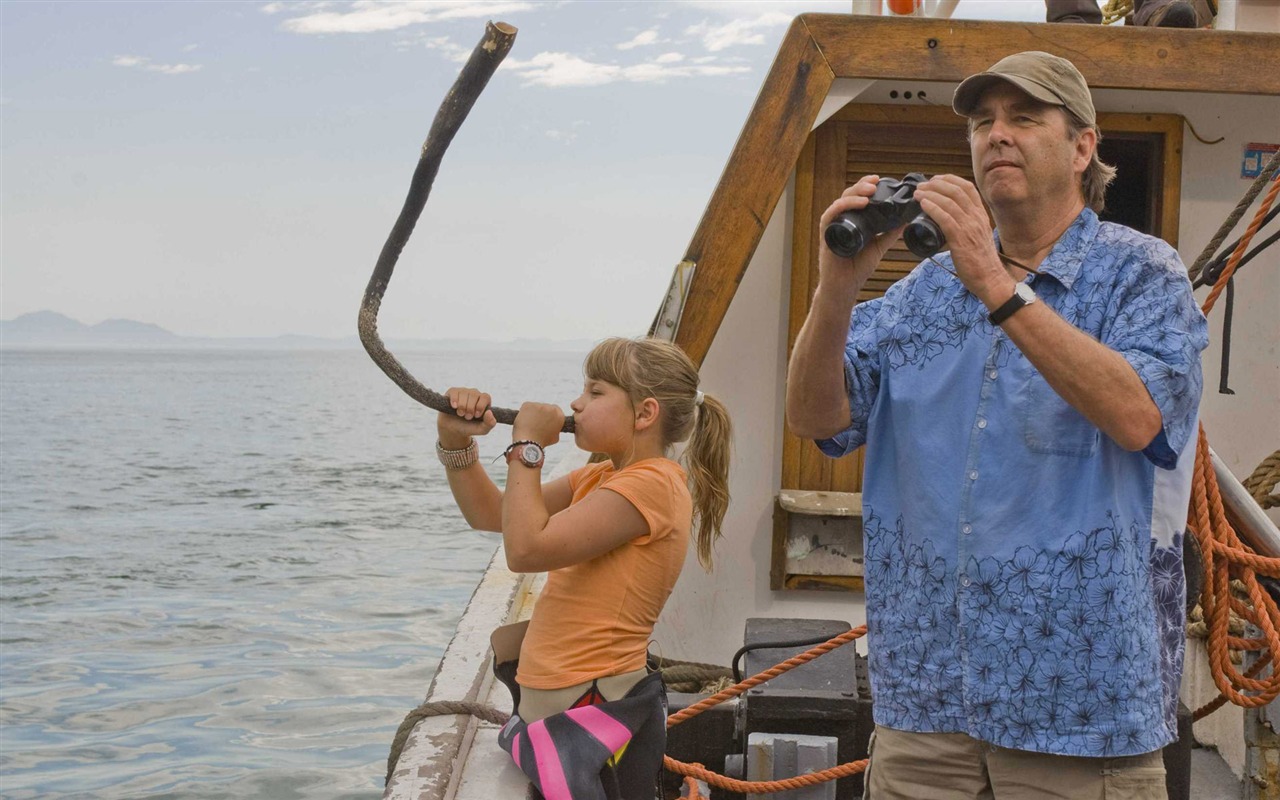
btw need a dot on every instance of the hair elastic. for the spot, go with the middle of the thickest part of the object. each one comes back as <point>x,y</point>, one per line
<point>698,397</point>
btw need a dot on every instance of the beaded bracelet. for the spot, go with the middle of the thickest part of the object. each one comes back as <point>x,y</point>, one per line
<point>458,459</point>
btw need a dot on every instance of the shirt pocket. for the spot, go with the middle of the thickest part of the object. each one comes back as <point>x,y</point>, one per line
<point>1049,424</point>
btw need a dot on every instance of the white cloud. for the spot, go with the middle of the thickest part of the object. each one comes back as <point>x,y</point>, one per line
<point>447,47</point>
<point>370,16</point>
<point>145,63</point>
<point>174,69</point>
<point>743,31</point>
<point>643,38</point>
<point>564,137</point>
<point>668,58</point>
<point>189,48</point>
<point>283,6</point>
<point>560,70</point>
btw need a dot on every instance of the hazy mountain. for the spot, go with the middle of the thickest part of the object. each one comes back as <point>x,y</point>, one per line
<point>49,329</point>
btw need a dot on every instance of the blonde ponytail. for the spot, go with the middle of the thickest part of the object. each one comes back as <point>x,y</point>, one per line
<point>707,458</point>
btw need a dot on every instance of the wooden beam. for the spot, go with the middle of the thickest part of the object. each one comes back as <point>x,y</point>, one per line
<point>752,183</point>
<point>1109,57</point>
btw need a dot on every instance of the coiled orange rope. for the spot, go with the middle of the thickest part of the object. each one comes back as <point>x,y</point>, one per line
<point>1227,558</point>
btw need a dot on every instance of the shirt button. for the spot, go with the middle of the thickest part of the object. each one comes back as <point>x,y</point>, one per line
<point>973,474</point>
<point>982,423</point>
<point>992,374</point>
<point>964,581</point>
<point>967,529</point>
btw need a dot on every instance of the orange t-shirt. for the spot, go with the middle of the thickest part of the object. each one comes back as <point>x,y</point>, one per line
<point>594,619</point>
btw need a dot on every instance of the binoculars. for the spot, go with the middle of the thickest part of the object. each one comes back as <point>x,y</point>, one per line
<point>892,206</point>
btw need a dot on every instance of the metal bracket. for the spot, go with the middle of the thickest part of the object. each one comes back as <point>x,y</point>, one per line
<point>667,323</point>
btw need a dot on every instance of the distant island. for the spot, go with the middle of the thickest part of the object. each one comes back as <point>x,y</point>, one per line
<point>49,329</point>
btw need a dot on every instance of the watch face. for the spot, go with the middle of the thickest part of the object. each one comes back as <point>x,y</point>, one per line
<point>531,455</point>
<point>1025,291</point>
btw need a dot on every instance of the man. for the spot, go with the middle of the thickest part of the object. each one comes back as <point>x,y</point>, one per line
<point>1028,402</point>
<point>1152,13</point>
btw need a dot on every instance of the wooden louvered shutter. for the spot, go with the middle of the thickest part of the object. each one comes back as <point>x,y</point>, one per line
<point>889,141</point>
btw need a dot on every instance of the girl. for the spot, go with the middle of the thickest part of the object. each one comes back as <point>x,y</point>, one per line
<point>591,721</point>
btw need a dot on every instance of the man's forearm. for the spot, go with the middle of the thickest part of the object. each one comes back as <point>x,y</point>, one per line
<point>817,400</point>
<point>1096,380</point>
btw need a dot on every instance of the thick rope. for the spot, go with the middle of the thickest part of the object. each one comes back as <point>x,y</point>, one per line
<point>1229,223</point>
<point>1225,558</point>
<point>1262,483</point>
<point>1116,10</point>
<point>439,708</point>
<point>691,677</point>
<point>1239,252</point>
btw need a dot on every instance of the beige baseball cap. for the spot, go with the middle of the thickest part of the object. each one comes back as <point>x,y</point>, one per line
<point>1044,76</point>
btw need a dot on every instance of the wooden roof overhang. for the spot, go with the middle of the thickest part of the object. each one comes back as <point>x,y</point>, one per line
<point>819,48</point>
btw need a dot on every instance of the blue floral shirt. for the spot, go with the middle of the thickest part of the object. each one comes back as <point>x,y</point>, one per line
<point>1024,572</point>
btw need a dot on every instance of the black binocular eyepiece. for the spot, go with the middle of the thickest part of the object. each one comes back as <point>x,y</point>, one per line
<point>892,206</point>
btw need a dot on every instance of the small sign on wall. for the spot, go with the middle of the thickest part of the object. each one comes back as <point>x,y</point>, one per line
<point>1256,156</point>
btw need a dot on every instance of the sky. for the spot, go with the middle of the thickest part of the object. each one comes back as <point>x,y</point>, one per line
<point>233,168</point>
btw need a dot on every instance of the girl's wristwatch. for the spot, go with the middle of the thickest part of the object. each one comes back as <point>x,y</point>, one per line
<point>528,453</point>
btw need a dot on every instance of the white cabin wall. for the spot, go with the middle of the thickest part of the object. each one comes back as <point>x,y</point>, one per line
<point>746,367</point>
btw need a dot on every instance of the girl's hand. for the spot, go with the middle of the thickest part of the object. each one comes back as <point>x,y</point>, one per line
<point>538,422</point>
<point>471,417</point>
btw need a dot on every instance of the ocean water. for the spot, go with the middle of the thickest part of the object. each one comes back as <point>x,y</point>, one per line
<point>228,574</point>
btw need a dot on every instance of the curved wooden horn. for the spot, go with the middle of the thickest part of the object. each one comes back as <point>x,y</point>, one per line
<point>484,60</point>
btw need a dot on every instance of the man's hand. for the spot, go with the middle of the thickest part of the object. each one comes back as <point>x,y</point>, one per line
<point>538,422</point>
<point>954,203</point>
<point>850,274</point>
<point>817,402</point>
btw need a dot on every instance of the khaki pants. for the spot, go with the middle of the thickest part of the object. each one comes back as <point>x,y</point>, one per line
<point>953,766</point>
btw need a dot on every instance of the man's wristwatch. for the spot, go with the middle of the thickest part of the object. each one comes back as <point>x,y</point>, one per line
<point>528,453</point>
<point>1023,295</point>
